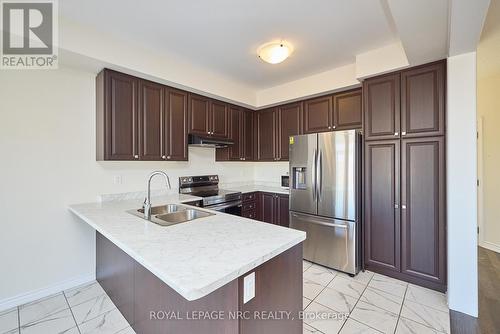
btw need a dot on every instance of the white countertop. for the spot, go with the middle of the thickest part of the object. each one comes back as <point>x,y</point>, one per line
<point>194,258</point>
<point>253,188</point>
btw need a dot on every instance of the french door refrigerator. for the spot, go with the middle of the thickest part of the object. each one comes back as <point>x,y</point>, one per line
<point>324,197</point>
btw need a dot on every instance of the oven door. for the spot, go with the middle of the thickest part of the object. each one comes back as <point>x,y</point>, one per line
<point>233,208</point>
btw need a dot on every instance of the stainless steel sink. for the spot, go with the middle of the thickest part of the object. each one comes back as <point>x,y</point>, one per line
<point>171,214</point>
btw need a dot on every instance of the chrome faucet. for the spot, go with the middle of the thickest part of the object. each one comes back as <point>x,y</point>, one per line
<point>147,201</point>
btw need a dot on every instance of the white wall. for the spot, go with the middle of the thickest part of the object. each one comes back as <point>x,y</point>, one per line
<point>47,138</point>
<point>461,160</point>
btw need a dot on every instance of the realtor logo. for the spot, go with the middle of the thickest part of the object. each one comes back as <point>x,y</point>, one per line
<point>29,34</point>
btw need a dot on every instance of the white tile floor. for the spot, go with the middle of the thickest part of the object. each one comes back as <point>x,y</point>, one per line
<point>367,303</point>
<point>370,303</point>
<point>82,310</point>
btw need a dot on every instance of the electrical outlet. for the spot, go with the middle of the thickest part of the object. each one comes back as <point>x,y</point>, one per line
<point>248,288</point>
<point>117,179</point>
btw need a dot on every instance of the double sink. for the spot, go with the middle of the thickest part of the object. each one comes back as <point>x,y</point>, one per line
<point>171,214</point>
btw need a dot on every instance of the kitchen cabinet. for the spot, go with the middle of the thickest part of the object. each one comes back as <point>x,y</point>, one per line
<point>250,205</point>
<point>318,116</point>
<point>176,125</point>
<point>207,117</point>
<point>382,220</point>
<point>406,104</point>
<point>382,107</point>
<point>423,206</point>
<point>422,101</point>
<point>199,115</point>
<point>289,124</point>
<point>139,119</point>
<point>151,114</point>
<point>117,116</point>
<point>241,133</point>
<point>274,208</point>
<point>274,128</point>
<point>404,210</point>
<point>347,110</point>
<point>266,135</point>
<point>219,119</point>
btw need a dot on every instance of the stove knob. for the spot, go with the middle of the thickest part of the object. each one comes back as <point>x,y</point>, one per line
<point>190,179</point>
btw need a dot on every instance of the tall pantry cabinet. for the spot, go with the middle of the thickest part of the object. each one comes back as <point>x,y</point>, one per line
<point>404,175</point>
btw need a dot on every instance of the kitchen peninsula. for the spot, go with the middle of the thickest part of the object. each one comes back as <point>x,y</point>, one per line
<point>223,263</point>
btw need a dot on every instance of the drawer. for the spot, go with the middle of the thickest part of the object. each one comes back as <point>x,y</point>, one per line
<point>249,206</point>
<point>249,214</point>
<point>249,197</point>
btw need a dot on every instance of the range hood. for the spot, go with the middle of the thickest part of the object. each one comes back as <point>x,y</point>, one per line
<point>194,140</point>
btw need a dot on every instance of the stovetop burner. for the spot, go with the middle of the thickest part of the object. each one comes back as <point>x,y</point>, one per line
<point>207,187</point>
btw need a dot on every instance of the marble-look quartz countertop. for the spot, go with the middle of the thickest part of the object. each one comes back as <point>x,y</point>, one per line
<point>253,188</point>
<point>194,258</point>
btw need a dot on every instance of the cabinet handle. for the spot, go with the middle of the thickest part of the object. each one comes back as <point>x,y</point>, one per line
<point>168,156</point>
<point>163,157</point>
<point>334,127</point>
<point>329,127</point>
<point>396,133</point>
<point>403,133</point>
<point>396,206</point>
<point>136,156</point>
<point>403,207</point>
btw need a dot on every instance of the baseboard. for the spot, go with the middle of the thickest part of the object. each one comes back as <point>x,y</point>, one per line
<point>491,246</point>
<point>33,295</point>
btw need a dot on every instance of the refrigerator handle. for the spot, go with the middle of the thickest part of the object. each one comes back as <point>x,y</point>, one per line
<point>319,175</point>
<point>313,176</point>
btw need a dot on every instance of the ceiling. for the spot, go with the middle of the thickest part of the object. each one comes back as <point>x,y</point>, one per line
<point>223,35</point>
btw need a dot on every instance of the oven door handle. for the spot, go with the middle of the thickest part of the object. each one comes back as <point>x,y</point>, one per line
<point>224,206</point>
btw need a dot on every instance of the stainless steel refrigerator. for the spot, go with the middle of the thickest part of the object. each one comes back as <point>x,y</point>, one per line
<point>324,197</point>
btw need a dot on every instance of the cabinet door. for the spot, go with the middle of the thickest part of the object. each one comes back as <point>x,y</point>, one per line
<point>422,101</point>
<point>176,125</point>
<point>247,137</point>
<point>382,107</point>
<point>219,119</point>
<point>121,117</point>
<point>382,216</point>
<point>283,215</point>
<point>236,117</point>
<point>267,207</point>
<point>289,124</point>
<point>347,110</point>
<point>423,251</point>
<point>199,109</point>
<point>318,115</point>
<point>151,114</point>
<point>266,135</point>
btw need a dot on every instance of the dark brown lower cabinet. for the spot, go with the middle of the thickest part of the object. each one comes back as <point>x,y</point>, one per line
<point>423,234</point>
<point>382,221</point>
<point>274,208</point>
<point>404,210</point>
<point>142,297</point>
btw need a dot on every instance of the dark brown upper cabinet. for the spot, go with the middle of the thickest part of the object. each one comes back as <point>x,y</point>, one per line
<point>422,101</point>
<point>199,115</point>
<point>381,205</point>
<point>347,110</point>
<point>289,124</point>
<point>139,119</point>
<point>266,135</point>
<point>382,107</point>
<point>248,135</point>
<point>117,116</point>
<point>151,117</point>
<point>176,125</point>
<point>219,119</point>
<point>423,206</point>
<point>241,133</point>
<point>317,116</point>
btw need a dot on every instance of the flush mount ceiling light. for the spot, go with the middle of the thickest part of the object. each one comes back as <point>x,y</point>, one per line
<point>274,52</point>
